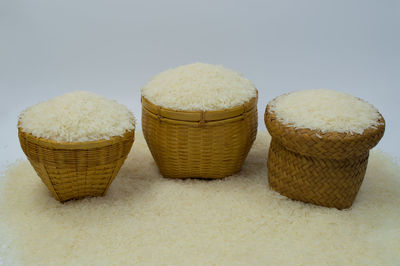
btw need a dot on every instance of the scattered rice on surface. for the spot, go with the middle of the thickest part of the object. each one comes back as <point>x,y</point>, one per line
<point>148,220</point>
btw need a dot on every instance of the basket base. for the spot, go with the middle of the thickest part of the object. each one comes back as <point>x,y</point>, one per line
<point>201,154</point>
<point>212,150</point>
<point>324,182</point>
<point>69,184</point>
<point>76,170</point>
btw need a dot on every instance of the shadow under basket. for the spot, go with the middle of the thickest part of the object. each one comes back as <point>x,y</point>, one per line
<point>325,169</point>
<point>199,144</point>
<point>73,170</point>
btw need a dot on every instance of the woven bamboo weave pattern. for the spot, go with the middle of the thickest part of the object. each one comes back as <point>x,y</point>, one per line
<point>212,144</point>
<point>322,168</point>
<point>79,169</point>
<point>331,183</point>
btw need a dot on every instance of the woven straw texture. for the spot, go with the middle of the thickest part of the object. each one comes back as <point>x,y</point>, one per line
<point>199,144</point>
<point>326,170</point>
<point>78,169</point>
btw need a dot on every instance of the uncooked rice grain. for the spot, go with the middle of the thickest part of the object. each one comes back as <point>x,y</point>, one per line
<point>76,117</point>
<point>199,86</point>
<point>325,110</point>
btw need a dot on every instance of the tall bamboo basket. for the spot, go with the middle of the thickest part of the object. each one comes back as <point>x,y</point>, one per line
<point>73,170</point>
<point>199,144</point>
<point>325,169</point>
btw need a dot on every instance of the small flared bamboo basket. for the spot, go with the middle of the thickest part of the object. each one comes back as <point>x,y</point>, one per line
<point>73,170</point>
<point>325,169</point>
<point>199,144</point>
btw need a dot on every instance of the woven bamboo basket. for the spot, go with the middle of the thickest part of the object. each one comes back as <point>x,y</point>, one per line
<point>325,169</point>
<point>73,170</point>
<point>199,144</point>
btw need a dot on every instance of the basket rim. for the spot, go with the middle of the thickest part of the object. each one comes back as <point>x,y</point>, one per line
<point>75,145</point>
<point>197,116</point>
<point>328,145</point>
<point>273,123</point>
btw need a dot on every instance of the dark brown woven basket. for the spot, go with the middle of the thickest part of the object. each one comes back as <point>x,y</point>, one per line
<point>73,170</point>
<point>199,144</point>
<point>326,169</point>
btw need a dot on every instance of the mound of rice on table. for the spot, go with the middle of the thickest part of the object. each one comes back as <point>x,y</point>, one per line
<point>199,120</point>
<point>76,142</point>
<point>320,145</point>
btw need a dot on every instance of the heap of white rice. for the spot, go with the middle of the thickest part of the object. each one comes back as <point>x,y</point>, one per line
<point>325,110</point>
<point>76,117</point>
<point>199,86</point>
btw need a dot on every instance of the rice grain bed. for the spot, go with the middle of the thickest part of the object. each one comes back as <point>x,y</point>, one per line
<point>77,117</point>
<point>150,220</point>
<point>198,87</point>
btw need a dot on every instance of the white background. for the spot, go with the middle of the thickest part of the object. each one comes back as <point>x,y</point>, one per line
<point>113,48</point>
